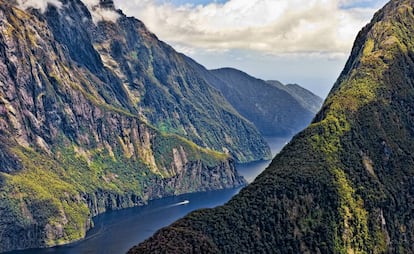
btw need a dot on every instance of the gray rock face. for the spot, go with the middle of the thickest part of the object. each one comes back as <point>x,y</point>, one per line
<point>95,117</point>
<point>147,77</point>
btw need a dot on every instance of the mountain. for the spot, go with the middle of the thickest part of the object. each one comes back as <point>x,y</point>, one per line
<point>275,111</point>
<point>343,185</point>
<point>305,97</point>
<point>147,77</point>
<point>97,114</point>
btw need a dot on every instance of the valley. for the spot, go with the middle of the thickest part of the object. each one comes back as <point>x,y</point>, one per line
<point>115,140</point>
<point>97,115</point>
<point>342,185</point>
<point>116,231</point>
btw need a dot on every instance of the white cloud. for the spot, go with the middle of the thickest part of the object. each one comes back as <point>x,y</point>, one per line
<point>98,13</point>
<point>38,4</point>
<point>272,26</point>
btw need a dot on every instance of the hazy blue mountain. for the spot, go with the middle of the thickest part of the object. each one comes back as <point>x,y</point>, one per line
<point>305,97</point>
<point>275,111</point>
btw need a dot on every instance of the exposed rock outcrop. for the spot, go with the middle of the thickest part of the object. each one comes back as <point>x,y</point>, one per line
<point>82,107</point>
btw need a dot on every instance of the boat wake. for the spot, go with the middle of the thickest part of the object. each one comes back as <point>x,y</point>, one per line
<point>185,202</point>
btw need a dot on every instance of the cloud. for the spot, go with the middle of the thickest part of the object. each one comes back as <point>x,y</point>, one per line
<point>38,4</point>
<point>272,26</point>
<point>98,13</point>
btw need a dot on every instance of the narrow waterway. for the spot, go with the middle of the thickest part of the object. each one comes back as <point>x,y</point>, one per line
<point>253,169</point>
<point>117,231</point>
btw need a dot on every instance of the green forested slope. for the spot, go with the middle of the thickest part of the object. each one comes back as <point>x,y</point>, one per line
<point>343,185</point>
<point>147,77</point>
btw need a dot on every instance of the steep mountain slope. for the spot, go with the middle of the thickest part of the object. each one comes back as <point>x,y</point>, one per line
<point>305,97</point>
<point>147,77</point>
<point>273,110</point>
<point>343,185</point>
<point>77,134</point>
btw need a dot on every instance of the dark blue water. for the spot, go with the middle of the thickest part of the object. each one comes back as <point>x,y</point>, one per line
<point>116,232</point>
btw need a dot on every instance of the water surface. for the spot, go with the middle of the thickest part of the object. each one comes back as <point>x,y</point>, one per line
<point>251,170</point>
<point>117,231</point>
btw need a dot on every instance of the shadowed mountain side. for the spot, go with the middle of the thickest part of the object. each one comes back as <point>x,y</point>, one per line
<point>305,97</point>
<point>274,110</point>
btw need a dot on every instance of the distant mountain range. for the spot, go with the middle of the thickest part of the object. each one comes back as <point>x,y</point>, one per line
<point>97,114</point>
<point>343,185</point>
<point>306,98</point>
<point>275,109</point>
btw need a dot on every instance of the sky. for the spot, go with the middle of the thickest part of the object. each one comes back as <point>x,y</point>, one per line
<point>294,41</point>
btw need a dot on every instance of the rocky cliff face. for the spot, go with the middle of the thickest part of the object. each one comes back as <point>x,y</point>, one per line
<point>80,123</point>
<point>146,76</point>
<point>344,184</point>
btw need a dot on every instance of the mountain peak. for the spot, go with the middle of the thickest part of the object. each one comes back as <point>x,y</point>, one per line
<point>107,4</point>
<point>381,37</point>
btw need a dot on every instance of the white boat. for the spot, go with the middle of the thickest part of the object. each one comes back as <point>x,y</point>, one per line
<point>184,202</point>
